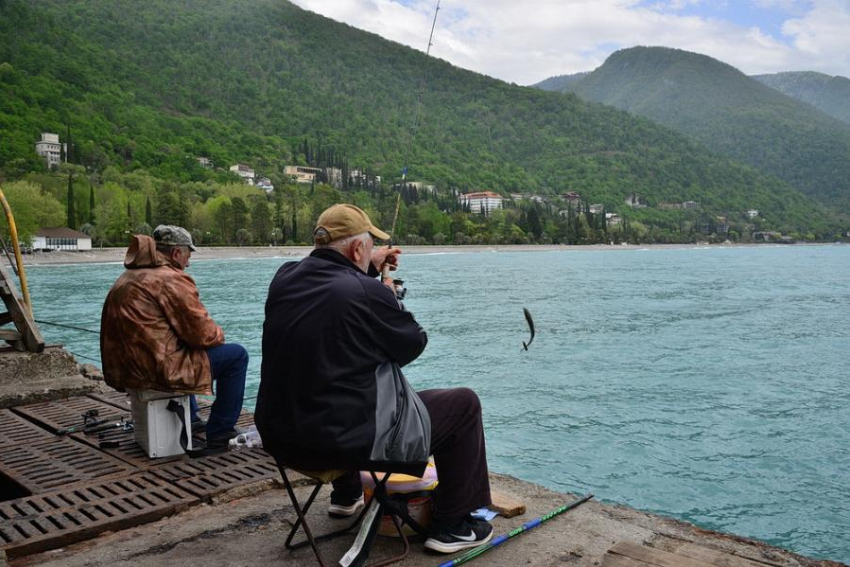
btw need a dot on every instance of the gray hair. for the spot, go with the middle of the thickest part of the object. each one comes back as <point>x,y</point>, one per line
<point>340,244</point>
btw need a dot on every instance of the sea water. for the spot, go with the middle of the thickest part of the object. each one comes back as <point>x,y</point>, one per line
<point>707,384</point>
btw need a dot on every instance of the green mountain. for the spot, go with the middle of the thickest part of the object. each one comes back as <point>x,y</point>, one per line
<point>826,93</point>
<point>147,87</point>
<point>731,113</point>
<point>560,83</point>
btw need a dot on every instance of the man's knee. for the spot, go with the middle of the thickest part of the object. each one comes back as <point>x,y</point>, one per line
<point>469,399</point>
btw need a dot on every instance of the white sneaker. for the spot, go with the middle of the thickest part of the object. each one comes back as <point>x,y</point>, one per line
<point>344,510</point>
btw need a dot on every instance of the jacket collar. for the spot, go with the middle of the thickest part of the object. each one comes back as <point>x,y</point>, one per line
<point>335,257</point>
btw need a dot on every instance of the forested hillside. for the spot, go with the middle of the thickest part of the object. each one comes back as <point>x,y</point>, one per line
<point>717,105</point>
<point>142,89</point>
<point>559,83</point>
<point>829,94</point>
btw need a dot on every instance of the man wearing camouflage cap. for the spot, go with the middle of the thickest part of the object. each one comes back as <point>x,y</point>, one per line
<point>157,335</point>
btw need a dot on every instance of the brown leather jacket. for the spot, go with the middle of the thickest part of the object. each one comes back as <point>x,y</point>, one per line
<point>154,329</point>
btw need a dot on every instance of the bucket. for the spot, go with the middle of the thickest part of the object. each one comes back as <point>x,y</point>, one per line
<point>418,507</point>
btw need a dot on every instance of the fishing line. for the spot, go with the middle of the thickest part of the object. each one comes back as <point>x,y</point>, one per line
<point>40,322</point>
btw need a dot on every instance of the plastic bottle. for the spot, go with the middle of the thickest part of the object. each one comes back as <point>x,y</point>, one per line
<point>248,440</point>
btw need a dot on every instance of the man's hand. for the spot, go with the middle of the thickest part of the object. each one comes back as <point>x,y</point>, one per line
<point>385,255</point>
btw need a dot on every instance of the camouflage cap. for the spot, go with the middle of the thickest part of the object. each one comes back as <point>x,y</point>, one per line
<point>171,235</point>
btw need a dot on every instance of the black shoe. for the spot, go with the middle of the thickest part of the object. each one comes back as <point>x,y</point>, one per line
<point>470,532</point>
<point>223,440</point>
<point>199,425</point>
<point>343,508</point>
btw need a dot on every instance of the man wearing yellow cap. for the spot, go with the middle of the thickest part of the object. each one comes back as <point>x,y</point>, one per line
<point>332,395</point>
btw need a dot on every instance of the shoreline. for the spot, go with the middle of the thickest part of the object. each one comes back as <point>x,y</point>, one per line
<point>116,255</point>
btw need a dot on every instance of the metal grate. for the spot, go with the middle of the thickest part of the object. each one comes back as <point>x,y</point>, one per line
<point>48,521</point>
<point>114,398</point>
<point>45,465</point>
<point>15,430</point>
<point>208,476</point>
<point>127,450</point>
<point>60,414</point>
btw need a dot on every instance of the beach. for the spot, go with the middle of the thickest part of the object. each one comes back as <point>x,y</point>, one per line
<point>106,255</point>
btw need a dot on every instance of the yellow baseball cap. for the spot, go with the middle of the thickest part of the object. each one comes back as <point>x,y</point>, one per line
<point>341,221</point>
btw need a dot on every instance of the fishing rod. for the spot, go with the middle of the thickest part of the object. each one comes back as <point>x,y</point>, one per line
<point>385,269</point>
<point>475,552</point>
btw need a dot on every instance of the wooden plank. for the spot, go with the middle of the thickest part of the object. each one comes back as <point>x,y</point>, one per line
<point>31,337</point>
<point>10,335</point>
<point>653,556</point>
<point>505,505</point>
<point>614,560</point>
<point>715,556</point>
<point>5,318</point>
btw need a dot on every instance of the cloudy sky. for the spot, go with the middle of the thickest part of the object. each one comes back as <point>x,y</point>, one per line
<point>527,41</point>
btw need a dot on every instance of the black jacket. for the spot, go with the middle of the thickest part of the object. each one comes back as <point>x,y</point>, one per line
<point>330,336</point>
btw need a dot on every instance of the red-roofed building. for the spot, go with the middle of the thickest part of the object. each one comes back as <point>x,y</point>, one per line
<point>482,202</point>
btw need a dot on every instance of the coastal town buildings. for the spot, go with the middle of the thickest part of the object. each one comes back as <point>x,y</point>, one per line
<point>61,238</point>
<point>302,173</point>
<point>481,202</point>
<point>243,171</point>
<point>51,149</point>
<point>265,184</point>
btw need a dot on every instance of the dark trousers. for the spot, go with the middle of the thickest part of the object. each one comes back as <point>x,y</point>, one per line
<point>457,444</point>
<point>229,364</point>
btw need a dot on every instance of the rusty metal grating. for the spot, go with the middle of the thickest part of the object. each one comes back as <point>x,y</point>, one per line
<point>114,398</point>
<point>127,450</point>
<point>208,476</point>
<point>46,465</point>
<point>15,430</point>
<point>55,519</point>
<point>60,414</point>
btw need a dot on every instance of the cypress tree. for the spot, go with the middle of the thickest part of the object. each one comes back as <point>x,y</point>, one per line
<point>91,203</point>
<point>148,213</point>
<point>294,226</point>
<point>72,212</point>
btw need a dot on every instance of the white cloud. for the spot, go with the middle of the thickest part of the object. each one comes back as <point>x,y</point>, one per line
<point>525,42</point>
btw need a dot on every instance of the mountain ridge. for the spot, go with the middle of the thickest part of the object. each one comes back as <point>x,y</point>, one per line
<point>717,105</point>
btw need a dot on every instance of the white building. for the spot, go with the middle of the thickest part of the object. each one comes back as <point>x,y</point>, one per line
<point>334,175</point>
<point>243,171</point>
<point>301,173</point>
<point>482,202</point>
<point>205,162</point>
<point>265,184</point>
<point>50,149</point>
<point>612,219</point>
<point>61,238</point>
<point>752,213</point>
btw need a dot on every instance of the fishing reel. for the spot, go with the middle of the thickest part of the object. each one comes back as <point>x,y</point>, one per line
<point>400,290</point>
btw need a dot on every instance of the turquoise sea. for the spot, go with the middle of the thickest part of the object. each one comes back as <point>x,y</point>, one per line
<point>707,384</point>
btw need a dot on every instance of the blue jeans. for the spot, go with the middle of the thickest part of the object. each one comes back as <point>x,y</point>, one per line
<point>229,364</point>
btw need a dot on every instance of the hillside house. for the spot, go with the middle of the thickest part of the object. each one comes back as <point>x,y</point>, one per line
<point>205,162</point>
<point>61,238</point>
<point>334,176</point>
<point>265,184</point>
<point>243,171</point>
<point>302,173</point>
<point>612,219</point>
<point>572,198</point>
<point>481,202</point>
<point>752,213</point>
<point>635,201</point>
<point>596,208</point>
<point>51,149</point>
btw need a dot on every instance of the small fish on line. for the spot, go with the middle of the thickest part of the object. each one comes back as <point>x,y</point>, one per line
<point>530,322</point>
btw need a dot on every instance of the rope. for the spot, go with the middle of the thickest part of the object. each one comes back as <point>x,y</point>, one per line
<point>66,326</point>
<point>83,356</point>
